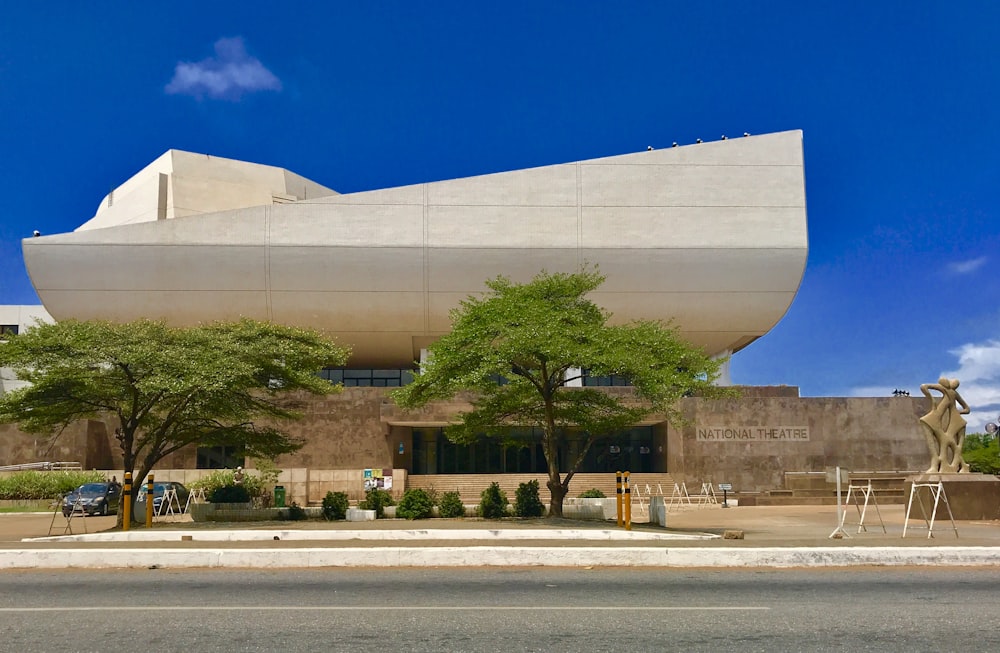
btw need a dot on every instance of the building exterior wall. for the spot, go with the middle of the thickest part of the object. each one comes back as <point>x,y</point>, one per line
<point>869,434</point>
<point>712,236</point>
<point>21,317</point>
<point>86,442</point>
<point>180,184</point>
<point>360,428</point>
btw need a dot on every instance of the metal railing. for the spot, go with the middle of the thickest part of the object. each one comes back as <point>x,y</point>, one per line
<point>43,466</point>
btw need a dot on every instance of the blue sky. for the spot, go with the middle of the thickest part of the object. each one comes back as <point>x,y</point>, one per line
<point>897,100</point>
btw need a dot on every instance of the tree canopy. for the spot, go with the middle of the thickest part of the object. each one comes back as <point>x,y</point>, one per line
<point>166,388</point>
<point>982,452</point>
<point>523,347</point>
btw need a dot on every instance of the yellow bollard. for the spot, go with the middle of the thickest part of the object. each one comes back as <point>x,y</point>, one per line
<point>628,504</point>
<point>127,501</point>
<point>618,498</point>
<point>149,501</point>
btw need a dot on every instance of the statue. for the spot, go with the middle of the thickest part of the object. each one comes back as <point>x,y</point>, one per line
<point>944,426</point>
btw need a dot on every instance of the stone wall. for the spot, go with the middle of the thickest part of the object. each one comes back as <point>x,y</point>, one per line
<point>360,428</point>
<point>752,453</point>
<point>85,442</point>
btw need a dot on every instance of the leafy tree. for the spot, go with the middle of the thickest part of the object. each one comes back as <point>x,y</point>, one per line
<point>167,388</point>
<point>982,453</point>
<point>521,346</point>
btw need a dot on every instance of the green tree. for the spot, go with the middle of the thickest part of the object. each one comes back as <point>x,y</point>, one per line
<point>535,338</point>
<point>167,388</point>
<point>982,452</point>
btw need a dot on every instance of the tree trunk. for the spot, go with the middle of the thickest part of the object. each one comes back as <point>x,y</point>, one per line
<point>557,492</point>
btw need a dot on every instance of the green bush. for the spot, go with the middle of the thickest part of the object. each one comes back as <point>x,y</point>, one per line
<point>335,505</point>
<point>526,501</point>
<point>982,453</point>
<point>451,505</point>
<point>294,512</point>
<point>259,484</point>
<point>230,494</point>
<point>377,499</point>
<point>592,493</point>
<point>32,485</point>
<point>493,502</point>
<point>415,504</point>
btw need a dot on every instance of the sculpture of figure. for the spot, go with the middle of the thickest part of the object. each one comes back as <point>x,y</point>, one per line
<point>238,476</point>
<point>944,426</point>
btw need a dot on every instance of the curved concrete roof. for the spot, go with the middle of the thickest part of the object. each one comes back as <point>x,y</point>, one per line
<point>711,235</point>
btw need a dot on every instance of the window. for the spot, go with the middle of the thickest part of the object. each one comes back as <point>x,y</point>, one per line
<point>367,378</point>
<point>433,453</point>
<point>6,329</point>
<point>225,457</point>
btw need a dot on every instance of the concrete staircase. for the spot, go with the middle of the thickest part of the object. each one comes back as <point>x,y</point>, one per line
<point>813,489</point>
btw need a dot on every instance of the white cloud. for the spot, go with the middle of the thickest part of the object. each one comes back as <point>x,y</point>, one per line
<point>979,374</point>
<point>965,267</point>
<point>228,75</point>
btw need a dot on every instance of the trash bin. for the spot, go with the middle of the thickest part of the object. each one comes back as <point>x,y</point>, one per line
<point>279,496</point>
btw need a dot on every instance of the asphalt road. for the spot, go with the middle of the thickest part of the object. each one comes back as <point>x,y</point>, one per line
<point>520,609</point>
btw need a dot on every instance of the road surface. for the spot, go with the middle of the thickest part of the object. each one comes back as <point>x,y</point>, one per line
<point>518,609</point>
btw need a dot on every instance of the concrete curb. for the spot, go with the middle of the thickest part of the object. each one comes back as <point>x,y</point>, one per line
<point>567,535</point>
<point>950,556</point>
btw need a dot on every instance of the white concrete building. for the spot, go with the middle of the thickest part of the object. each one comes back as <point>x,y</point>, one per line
<point>15,319</point>
<point>712,236</point>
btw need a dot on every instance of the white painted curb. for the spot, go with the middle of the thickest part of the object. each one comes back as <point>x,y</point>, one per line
<point>950,556</point>
<point>568,535</point>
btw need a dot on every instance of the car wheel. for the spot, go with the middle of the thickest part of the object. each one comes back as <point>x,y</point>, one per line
<point>104,509</point>
<point>66,513</point>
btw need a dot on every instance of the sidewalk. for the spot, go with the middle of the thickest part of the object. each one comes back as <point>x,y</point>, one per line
<point>774,536</point>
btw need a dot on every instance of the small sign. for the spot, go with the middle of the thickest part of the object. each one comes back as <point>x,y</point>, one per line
<point>728,487</point>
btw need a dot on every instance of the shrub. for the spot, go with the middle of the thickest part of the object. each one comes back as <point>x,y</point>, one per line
<point>230,494</point>
<point>493,502</point>
<point>433,494</point>
<point>295,512</point>
<point>335,505</point>
<point>259,483</point>
<point>415,504</point>
<point>526,501</point>
<point>451,505</point>
<point>982,453</point>
<point>592,493</point>
<point>31,485</point>
<point>376,499</point>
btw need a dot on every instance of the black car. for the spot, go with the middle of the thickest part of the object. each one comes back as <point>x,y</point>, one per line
<point>159,490</point>
<point>93,499</point>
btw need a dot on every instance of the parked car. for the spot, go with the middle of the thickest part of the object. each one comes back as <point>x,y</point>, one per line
<point>93,499</point>
<point>159,491</point>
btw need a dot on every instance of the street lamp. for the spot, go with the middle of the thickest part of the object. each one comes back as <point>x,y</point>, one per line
<point>993,427</point>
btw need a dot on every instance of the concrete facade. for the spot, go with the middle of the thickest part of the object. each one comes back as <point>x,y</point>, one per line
<point>17,318</point>
<point>712,236</point>
<point>361,428</point>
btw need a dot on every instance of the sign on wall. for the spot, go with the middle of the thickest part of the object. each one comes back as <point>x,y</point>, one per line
<point>378,478</point>
<point>752,433</point>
